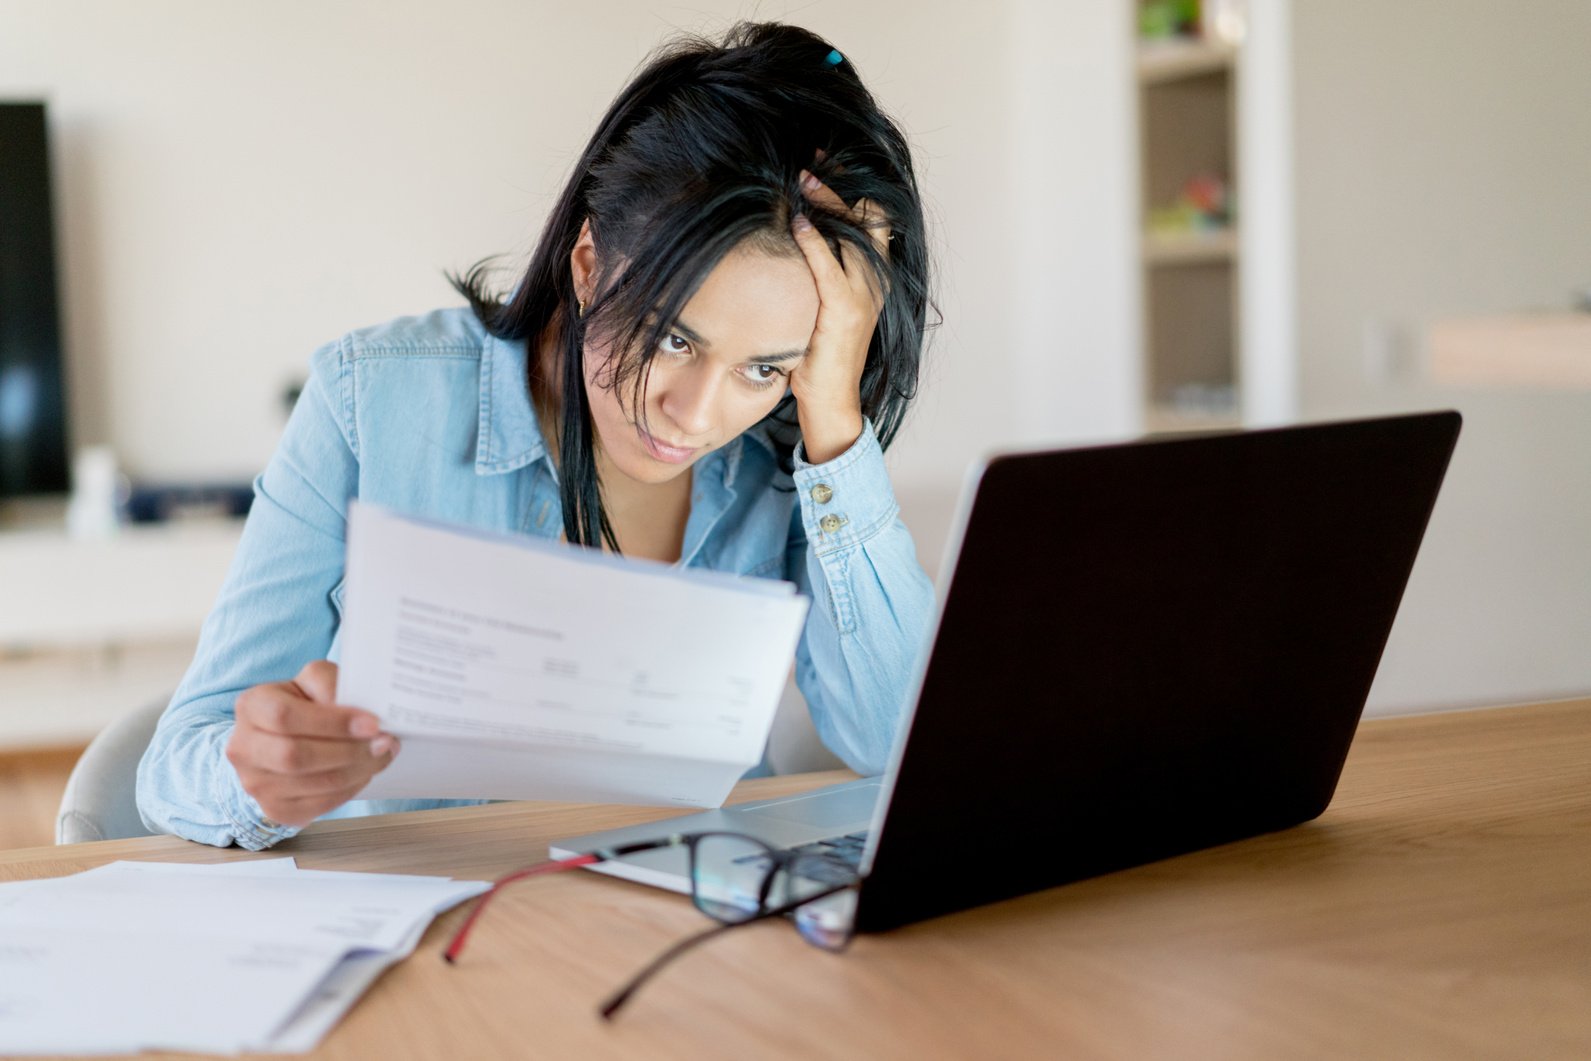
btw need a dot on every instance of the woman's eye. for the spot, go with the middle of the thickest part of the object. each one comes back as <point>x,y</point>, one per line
<point>673,344</point>
<point>762,375</point>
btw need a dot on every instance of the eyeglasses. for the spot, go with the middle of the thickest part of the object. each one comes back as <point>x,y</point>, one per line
<point>735,880</point>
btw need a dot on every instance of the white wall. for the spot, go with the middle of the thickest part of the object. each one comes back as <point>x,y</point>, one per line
<point>1069,201</point>
<point>241,182</point>
<point>1443,155</point>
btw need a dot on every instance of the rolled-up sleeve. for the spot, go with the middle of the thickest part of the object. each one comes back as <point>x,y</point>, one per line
<point>872,603</point>
<point>275,613</point>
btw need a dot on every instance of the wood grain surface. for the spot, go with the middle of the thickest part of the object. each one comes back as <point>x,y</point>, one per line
<point>1441,907</point>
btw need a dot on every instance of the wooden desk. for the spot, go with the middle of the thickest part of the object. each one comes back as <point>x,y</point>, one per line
<point>1441,907</point>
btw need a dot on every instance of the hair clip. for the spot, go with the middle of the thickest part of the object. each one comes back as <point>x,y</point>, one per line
<point>834,58</point>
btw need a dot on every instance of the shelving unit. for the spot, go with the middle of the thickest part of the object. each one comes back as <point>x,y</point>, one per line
<point>1187,105</point>
<point>91,629</point>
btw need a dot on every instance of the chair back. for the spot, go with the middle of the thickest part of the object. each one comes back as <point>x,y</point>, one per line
<point>101,797</point>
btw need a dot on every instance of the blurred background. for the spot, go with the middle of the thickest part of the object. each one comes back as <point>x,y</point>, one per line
<point>1148,216</point>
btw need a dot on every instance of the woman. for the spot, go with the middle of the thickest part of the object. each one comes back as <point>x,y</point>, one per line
<point>718,333</point>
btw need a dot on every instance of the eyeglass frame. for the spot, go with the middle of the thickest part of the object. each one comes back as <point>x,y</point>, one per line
<point>779,860</point>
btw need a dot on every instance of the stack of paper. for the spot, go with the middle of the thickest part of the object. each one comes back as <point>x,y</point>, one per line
<point>258,956</point>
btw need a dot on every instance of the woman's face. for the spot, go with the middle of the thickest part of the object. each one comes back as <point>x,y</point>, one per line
<point>722,367</point>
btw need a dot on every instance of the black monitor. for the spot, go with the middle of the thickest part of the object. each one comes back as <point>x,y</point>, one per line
<point>33,457</point>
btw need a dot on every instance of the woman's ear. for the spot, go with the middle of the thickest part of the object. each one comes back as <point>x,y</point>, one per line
<point>583,263</point>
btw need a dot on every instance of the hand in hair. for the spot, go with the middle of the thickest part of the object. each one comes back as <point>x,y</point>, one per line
<point>827,383</point>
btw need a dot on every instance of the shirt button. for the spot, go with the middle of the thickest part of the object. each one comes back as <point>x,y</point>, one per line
<point>830,523</point>
<point>821,493</point>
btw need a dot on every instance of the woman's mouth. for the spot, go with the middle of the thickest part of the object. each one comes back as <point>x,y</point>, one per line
<point>666,453</point>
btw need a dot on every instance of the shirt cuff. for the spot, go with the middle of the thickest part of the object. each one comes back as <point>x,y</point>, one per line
<point>251,829</point>
<point>847,500</point>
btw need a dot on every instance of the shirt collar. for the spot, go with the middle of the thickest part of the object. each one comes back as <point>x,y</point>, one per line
<point>730,458</point>
<point>509,436</point>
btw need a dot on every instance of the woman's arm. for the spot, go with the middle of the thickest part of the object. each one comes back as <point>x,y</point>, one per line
<point>871,602</point>
<point>275,613</point>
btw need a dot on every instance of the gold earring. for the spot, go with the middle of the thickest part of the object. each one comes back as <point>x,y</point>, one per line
<point>582,304</point>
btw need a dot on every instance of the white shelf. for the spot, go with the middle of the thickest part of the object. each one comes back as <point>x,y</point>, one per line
<point>1549,350</point>
<point>92,629</point>
<point>145,584</point>
<point>1160,62</point>
<point>62,698</point>
<point>1192,247</point>
<point>1168,419</point>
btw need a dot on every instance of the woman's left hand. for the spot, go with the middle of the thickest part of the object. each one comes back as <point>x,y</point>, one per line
<point>827,384</point>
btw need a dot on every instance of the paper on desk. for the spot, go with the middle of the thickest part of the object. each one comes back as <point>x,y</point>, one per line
<point>514,669</point>
<point>348,981</point>
<point>307,908</point>
<point>216,958</point>
<point>336,994</point>
<point>11,890</point>
<point>69,990</point>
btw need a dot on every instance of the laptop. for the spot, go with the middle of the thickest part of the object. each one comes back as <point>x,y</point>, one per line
<point>1141,650</point>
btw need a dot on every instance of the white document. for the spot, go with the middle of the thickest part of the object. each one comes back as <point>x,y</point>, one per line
<point>306,908</point>
<point>336,994</point>
<point>68,990</point>
<point>516,669</point>
<point>213,958</point>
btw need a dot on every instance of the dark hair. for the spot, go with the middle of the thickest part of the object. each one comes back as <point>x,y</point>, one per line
<point>700,152</point>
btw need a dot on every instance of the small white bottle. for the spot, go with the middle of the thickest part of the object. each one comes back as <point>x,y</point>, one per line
<point>98,490</point>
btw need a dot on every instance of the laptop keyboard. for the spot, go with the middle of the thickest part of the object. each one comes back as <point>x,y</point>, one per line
<point>847,849</point>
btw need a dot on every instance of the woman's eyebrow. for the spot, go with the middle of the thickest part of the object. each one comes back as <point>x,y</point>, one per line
<point>690,333</point>
<point>764,359</point>
<point>774,359</point>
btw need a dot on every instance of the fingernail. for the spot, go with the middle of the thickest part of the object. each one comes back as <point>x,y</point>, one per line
<point>383,745</point>
<point>364,726</point>
<point>809,182</point>
<point>801,224</point>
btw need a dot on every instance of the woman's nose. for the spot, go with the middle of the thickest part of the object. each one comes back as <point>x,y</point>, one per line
<point>688,401</point>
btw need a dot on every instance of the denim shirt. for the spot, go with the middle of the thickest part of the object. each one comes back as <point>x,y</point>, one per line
<point>431,416</point>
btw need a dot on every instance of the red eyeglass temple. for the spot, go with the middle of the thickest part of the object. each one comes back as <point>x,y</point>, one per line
<point>455,948</point>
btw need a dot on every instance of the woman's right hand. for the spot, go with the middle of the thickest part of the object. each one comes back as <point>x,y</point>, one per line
<point>298,753</point>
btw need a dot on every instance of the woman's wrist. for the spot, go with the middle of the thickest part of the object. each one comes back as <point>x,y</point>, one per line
<point>824,436</point>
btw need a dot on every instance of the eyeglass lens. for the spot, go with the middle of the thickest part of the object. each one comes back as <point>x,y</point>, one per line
<point>736,878</point>
<point>732,876</point>
<point>824,920</point>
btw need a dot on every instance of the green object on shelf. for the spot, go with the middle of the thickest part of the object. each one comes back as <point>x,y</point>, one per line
<point>1205,202</point>
<point>1160,19</point>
